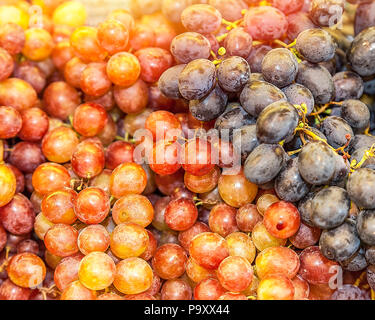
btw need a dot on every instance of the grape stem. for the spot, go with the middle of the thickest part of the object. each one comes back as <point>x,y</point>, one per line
<point>325,107</point>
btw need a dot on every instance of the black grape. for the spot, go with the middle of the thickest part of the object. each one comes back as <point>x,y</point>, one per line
<point>361,55</point>
<point>168,82</point>
<point>210,107</point>
<point>277,122</point>
<point>366,226</point>
<point>316,163</point>
<point>289,184</point>
<point>364,16</point>
<point>233,73</point>
<point>340,243</point>
<point>280,67</point>
<point>330,207</point>
<point>256,57</point>
<point>361,188</point>
<point>197,79</point>
<point>316,45</point>
<point>298,94</point>
<point>264,163</point>
<point>318,80</point>
<point>257,95</point>
<point>245,140</point>
<point>337,130</point>
<point>356,113</point>
<point>348,85</point>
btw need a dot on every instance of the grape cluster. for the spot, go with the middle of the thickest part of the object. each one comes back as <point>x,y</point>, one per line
<point>188,149</point>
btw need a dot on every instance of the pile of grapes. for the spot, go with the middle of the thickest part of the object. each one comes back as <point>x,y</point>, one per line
<point>186,149</point>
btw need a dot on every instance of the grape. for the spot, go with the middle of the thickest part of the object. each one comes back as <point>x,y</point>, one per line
<point>289,185</point>
<point>331,242</point>
<point>265,23</point>
<point>360,188</point>
<point>362,141</point>
<point>172,9</point>
<point>316,171</point>
<point>235,273</point>
<point>133,208</point>
<point>256,57</point>
<point>348,292</point>
<point>17,93</point>
<point>202,184</point>
<point>88,158</point>
<point>86,46</point>
<point>262,239</point>
<point>197,157</point>
<point>208,250</point>
<point>348,85</point>
<point>327,13</point>
<point>60,99</point>
<point>246,140</point>
<point>18,215</point>
<point>282,220</point>
<point>107,100</point>
<point>94,238</point>
<point>240,244</point>
<point>89,119</point>
<point>238,43</point>
<point>77,291</point>
<point>190,46</point>
<point>301,288</point>
<point>318,80</point>
<point>233,119</point>
<point>73,71</point>
<point>92,205</point>
<point>10,291</point>
<point>153,62</point>
<point>279,114</point>
<point>233,73</point>
<point>277,260</point>
<point>168,82</point>
<point>169,261</point>
<point>181,214</point>
<point>61,240</point>
<point>370,255</point>
<point>315,268</point>
<point>297,23</point>
<point>356,113</point>
<point>257,95</point>
<point>12,38</point>
<point>94,79</point>
<point>57,207</point>
<point>123,69</point>
<point>355,263</point>
<point>364,17</point>
<point>197,79</point>
<point>10,122</point>
<point>58,144</point>
<point>337,131</point>
<point>306,236</point>
<point>110,296</point>
<point>276,287</point>
<point>176,290</point>
<point>264,163</point>
<point>113,36</point>
<point>163,125</point>
<point>26,270</point>
<point>247,217</point>
<point>316,45</point>
<point>370,276</point>
<point>210,107</point>
<point>280,67</point>
<point>193,16</point>
<point>96,271</point>
<point>222,220</point>
<point>38,44</point>
<point>236,191</point>
<point>26,156</point>
<point>330,207</point>
<point>231,10</point>
<point>361,56</point>
<point>208,289</point>
<point>365,226</point>
<point>128,240</point>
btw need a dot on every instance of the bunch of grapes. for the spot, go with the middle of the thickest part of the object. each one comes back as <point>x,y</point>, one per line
<point>186,149</point>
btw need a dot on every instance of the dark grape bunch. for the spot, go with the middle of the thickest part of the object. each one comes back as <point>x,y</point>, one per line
<point>188,150</point>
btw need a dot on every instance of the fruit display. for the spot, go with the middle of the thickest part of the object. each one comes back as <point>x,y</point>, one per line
<point>187,150</point>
